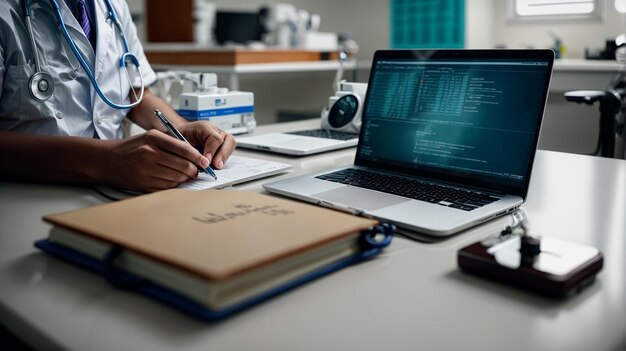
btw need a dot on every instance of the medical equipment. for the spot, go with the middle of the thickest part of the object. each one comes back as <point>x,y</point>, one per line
<point>41,83</point>
<point>279,22</point>
<point>171,84</point>
<point>344,109</point>
<point>232,111</point>
<point>237,27</point>
<point>285,26</point>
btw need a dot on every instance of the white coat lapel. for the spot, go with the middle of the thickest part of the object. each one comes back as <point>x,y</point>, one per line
<point>105,33</point>
<point>76,32</point>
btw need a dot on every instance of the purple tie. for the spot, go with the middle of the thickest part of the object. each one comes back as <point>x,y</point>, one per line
<point>80,12</point>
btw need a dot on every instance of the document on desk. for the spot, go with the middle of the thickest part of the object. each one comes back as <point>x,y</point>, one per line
<point>238,169</point>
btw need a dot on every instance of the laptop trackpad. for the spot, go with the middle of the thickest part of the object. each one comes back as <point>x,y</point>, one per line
<point>361,199</point>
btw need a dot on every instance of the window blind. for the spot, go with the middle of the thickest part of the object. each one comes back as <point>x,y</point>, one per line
<point>554,7</point>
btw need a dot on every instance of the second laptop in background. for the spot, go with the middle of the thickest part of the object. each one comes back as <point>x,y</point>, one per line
<point>340,126</point>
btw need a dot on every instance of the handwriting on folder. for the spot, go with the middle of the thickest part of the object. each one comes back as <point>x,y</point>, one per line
<point>238,169</point>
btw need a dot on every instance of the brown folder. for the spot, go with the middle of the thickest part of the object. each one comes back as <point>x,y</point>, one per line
<point>216,234</point>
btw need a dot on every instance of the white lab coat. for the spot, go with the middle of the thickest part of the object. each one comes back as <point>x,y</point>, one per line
<point>75,108</point>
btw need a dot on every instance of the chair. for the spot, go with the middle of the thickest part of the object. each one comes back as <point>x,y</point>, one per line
<point>612,112</point>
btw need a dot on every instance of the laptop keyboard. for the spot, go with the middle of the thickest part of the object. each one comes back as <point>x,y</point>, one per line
<point>327,134</point>
<point>411,188</point>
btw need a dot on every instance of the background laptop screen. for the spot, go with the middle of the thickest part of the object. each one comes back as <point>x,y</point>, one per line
<point>474,120</point>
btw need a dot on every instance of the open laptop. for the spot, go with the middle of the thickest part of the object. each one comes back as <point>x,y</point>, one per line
<point>448,139</point>
<point>299,143</point>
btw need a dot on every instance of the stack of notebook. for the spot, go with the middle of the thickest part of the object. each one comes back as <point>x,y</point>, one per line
<point>214,252</point>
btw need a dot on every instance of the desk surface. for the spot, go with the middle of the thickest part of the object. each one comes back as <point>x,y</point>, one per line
<point>411,297</point>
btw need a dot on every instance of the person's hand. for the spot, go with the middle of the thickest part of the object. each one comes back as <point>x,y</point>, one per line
<point>152,161</point>
<point>218,145</point>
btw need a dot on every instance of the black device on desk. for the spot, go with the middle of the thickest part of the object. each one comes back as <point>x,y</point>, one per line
<point>237,27</point>
<point>608,53</point>
<point>544,265</point>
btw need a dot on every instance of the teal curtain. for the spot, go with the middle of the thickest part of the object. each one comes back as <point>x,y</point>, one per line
<point>427,24</point>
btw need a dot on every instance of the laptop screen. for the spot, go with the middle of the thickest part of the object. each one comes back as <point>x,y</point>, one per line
<point>463,116</point>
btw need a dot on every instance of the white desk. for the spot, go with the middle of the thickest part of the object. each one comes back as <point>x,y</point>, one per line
<point>412,297</point>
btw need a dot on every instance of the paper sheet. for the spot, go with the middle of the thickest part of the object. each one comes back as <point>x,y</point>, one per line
<point>238,169</point>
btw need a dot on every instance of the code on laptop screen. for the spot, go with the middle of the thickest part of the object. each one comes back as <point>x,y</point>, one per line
<point>472,118</point>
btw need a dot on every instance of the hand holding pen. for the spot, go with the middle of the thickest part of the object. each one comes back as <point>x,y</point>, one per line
<point>178,135</point>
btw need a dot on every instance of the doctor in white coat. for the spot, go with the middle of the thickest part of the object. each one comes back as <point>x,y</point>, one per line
<point>74,136</point>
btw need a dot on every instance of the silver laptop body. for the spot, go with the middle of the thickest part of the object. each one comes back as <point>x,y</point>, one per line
<point>293,144</point>
<point>465,121</point>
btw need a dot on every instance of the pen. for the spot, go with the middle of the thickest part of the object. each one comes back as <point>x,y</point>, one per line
<point>170,127</point>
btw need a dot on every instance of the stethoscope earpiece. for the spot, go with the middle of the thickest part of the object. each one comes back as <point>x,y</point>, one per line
<point>41,86</point>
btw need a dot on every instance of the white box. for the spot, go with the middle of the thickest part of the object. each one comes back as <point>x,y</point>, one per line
<point>320,41</point>
<point>232,111</point>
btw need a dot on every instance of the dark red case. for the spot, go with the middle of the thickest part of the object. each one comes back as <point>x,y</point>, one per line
<point>476,259</point>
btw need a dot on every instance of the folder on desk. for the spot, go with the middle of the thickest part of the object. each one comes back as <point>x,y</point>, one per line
<point>215,252</point>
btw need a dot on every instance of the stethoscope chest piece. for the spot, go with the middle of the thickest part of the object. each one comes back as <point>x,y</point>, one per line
<point>41,86</point>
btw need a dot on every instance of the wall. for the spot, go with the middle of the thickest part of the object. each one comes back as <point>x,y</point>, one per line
<point>567,127</point>
<point>368,20</point>
<point>479,23</point>
<point>576,34</point>
<point>487,24</point>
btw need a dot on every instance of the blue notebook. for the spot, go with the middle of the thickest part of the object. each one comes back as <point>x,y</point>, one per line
<point>128,281</point>
<point>215,252</point>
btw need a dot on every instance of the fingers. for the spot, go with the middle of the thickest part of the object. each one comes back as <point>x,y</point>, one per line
<point>165,178</point>
<point>165,171</point>
<point>213,140</point>
<point>218,145</point>
<point>178,148</point>
<point>225,150</point>
<point>140,163</point>
<point>176,161</point>
<point>176,168</point>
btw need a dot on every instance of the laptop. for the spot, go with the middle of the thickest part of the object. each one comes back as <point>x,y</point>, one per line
<point>448,140</point>
<point>300,143</point>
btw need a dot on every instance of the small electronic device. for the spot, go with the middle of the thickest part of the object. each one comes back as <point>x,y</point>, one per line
<point>237,27</point>
<point>299,143</point>
<point>232,111</point>
<point>545,265</point>
<point>344,110</point>
<point>340,125</point>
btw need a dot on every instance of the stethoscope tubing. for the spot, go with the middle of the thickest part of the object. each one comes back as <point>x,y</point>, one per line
<point>126,56</point>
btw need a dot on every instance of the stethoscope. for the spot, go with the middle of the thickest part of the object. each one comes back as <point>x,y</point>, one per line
<point>41,83</point>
